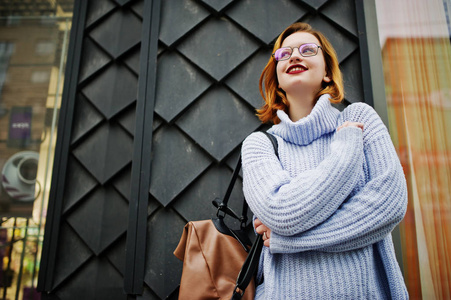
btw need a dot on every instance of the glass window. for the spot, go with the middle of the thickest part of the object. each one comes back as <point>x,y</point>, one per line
<point>33,47</point>
<point>45,48</point>
<point>416,53</point>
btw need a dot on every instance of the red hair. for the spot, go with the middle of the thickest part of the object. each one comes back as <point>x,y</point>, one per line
<point>275,98</point>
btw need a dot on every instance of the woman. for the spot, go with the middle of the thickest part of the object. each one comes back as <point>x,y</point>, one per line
<point>327,206</point>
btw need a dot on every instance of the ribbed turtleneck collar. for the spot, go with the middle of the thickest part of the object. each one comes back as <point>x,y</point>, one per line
<point>322,120</point>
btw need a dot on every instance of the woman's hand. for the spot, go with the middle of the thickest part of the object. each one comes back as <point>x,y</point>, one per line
<point>263,230</point>
<point>350,124</point>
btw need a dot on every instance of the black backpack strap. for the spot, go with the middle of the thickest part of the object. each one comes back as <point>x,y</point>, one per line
<point>273,141</point>
<point>222,206</point>
<point>251,263</point>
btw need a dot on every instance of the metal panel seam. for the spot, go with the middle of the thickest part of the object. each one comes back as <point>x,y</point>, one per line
<point>141,163</point>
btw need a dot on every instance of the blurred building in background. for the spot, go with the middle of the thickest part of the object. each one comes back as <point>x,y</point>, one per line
<point>33,49</point>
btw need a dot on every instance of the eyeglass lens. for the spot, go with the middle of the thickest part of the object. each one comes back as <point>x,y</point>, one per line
<point>305,50</point>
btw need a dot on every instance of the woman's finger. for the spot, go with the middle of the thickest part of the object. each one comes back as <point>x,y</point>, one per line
<point>257,223</point>
<point>260,229</point>
<point>350,124</point>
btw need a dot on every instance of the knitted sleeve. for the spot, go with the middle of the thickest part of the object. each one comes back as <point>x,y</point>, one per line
<point>371,213</point>
<point>277,199</point>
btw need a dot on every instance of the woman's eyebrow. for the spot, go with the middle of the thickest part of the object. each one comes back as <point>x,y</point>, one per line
<point>298,44</point>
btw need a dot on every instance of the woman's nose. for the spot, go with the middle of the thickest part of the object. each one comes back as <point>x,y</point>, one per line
<point>296,55</point>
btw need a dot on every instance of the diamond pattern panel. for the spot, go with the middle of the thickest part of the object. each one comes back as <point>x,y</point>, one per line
<point>148,295</point>
<point>100,219</point>
<point>233,158</point>
<point>217,5</point>
<point>343,45</point>
<point>343,13</point>
<point>195,203</point>
<point>112,90</point>
<point>122,2</point>
<point>127,32</point>
<point>93,59</point>
<point>86,117</point>
<point>232,122</point>
<point>176,162</point>
<point>116,254</point>
<point>316,4</point>
<point>122,182</point>
<point>157,122</point>
<point>163,269</point>
<point>72,254</point>
<point>187,13</point>
<point>98,279</point>
<point>138,7</point>
<point>352,77</point>
<point>105,152</point>
<point>132,60</point>
<point>266,20</point>
<point>98,9</point>
<point>185,85</point>
<point>218,57</point>
<point>78,184</point>
<point>126,119</point>
<point>244,81</point>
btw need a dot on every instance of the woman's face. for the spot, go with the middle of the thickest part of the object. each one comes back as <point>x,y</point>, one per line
<point>299,73</point>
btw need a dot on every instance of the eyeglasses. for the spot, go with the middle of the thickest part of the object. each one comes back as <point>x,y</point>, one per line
<point>305,50</point>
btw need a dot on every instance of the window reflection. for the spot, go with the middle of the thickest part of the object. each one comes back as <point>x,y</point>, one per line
<point>33,46</point>
<point>416,52</point>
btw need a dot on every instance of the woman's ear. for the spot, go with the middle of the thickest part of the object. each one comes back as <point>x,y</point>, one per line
<point>326,78</point>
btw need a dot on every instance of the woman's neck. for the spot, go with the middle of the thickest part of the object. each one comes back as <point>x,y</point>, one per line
<point>300,107</point>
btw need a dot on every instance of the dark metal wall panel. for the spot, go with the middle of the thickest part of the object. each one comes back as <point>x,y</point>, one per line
<point>206,93</point>
<point>84,251</point>
<point>170,120</point>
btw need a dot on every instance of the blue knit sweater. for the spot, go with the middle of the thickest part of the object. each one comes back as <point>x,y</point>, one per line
<point>331,202</point>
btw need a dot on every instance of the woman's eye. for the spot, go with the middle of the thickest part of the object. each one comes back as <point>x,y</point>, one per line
<point>285,53</point>
<point>308,50</point>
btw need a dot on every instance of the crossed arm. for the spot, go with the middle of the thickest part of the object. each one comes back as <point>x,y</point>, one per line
<point>356,221</point>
